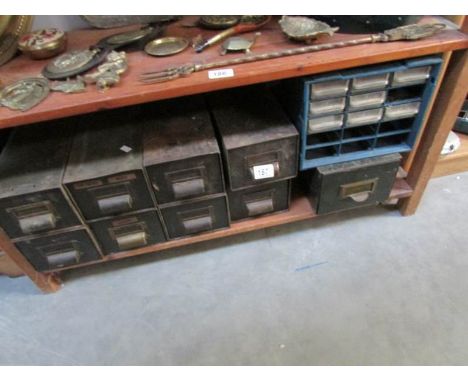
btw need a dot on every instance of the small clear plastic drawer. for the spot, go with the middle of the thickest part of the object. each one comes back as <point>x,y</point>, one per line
<point>329,89</point>
<point>378,81</point>
<point>365,117</point>
<point>411,76</point>
<point>330,122</point>
<point>405,110</point>
<point>334,105</point>
<point>367,100</point>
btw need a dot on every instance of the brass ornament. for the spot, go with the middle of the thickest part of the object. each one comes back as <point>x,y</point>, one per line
<point>304,29</point>
<point>43,43</point>
<point>166,46</point>
<point>13,27</point>
<point>238,44</point>
<point>24,94</point>
<point>108,73</point>
<point>69,86</point>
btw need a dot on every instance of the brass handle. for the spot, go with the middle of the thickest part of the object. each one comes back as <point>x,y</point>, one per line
<point>198,224</point>
<point>36,223</point>
<point>191,187</point>
<point>132,240</point>
<point>259,207</point>
<point>358,191</point>
<point>115,204</point>
<point>62,259</point>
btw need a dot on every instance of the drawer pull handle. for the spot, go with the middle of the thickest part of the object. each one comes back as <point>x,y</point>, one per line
<point>358,191</point>
<point>259,207</point>
<point>115,204</point>
<point>36,223</point>
<point>186,188</point>
<point>132,240</point>
<point>198,224</point>
<point>63,259</point>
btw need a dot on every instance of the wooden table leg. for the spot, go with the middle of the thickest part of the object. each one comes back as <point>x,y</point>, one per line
<point>448,103</point>
<point>47,283</point>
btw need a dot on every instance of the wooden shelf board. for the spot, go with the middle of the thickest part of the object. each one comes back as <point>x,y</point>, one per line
<point>130,91</point>
<point>455,162</point>
<point>300,209</point>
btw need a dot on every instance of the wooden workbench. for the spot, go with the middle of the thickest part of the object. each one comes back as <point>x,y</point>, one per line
<point>130,92</point>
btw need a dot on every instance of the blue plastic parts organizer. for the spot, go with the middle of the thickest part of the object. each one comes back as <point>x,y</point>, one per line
<point>360,113</point>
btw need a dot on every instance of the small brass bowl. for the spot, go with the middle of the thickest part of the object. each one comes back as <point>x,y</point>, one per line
<point>43,43</point>
<point>166,46</point>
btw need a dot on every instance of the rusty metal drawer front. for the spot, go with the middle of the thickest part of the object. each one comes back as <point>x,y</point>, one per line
<point>58,250</point>
<point>259,200</point>
<point>195,216</point>
<point>127,232</point>
<point>105,173</point>
<point>181,154</point>
<point>353,184</point>
<point>260,145</point>
<point>31,168</point>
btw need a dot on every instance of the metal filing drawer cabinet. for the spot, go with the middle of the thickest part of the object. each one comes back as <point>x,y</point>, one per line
<point>259,142</point>
<point>105,173</point>
<point>352,184</point>
<point>129,231</point>
<point>259,200</point>
<point>362,112</point>
<point>31,196</point>
<point>207,213</point>
<point>181,154</point>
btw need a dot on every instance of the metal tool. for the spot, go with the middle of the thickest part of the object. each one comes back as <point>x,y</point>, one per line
<point>408,32</point>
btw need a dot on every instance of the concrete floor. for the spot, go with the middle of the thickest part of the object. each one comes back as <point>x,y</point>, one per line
<point>363,287</point>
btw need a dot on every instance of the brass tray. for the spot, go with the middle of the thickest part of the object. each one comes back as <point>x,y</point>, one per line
<point>166,46</point>
<point>304,28</point>
<point>11,28</point>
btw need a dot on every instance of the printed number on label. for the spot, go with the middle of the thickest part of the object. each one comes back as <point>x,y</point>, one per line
<point>264,171</point>
<point>220,73</point>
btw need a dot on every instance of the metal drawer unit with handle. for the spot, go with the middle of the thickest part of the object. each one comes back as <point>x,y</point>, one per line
<point>259,142</point>
<point>130,231</point>
<point>59,249</point>
<point>181,154</point>
<point>259,200</point>
<point>362,112</point>
<point>196,216</point>
<point>352,184</point>
<point>32,163</point>
<point>105,173</point>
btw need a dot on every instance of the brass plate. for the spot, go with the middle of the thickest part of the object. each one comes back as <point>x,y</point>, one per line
<point>127,37</point>
<point>24,94</point>
<point>218,22</point>
<point>16,26</point>
<point>166,46</point>
<point>71,61</point>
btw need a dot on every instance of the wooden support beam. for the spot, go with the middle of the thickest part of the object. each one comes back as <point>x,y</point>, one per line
<point>449,100</point>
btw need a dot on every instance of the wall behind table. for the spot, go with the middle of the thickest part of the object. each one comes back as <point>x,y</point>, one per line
<point>63,22</point>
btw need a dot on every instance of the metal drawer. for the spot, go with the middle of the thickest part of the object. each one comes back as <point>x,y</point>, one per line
<point>195,216</point>
<point>259,200</point>
<point>353,184</point>
<point>127,232</point>
<point>104,174</point>
<point>57,250</point>
<point>31,168</point>
<point>260,145</point>
<point>181,154</point>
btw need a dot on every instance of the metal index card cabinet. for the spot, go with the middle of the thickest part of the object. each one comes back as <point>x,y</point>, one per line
<point>259,142</point>
<point>34,208</point>
<point>184,167</point>
<point>362,112</point>
<point>105,173</point>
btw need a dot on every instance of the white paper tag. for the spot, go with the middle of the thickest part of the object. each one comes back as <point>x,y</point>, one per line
<point>126,149</point>
<point>220,73</point>
<point>264,171</point>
